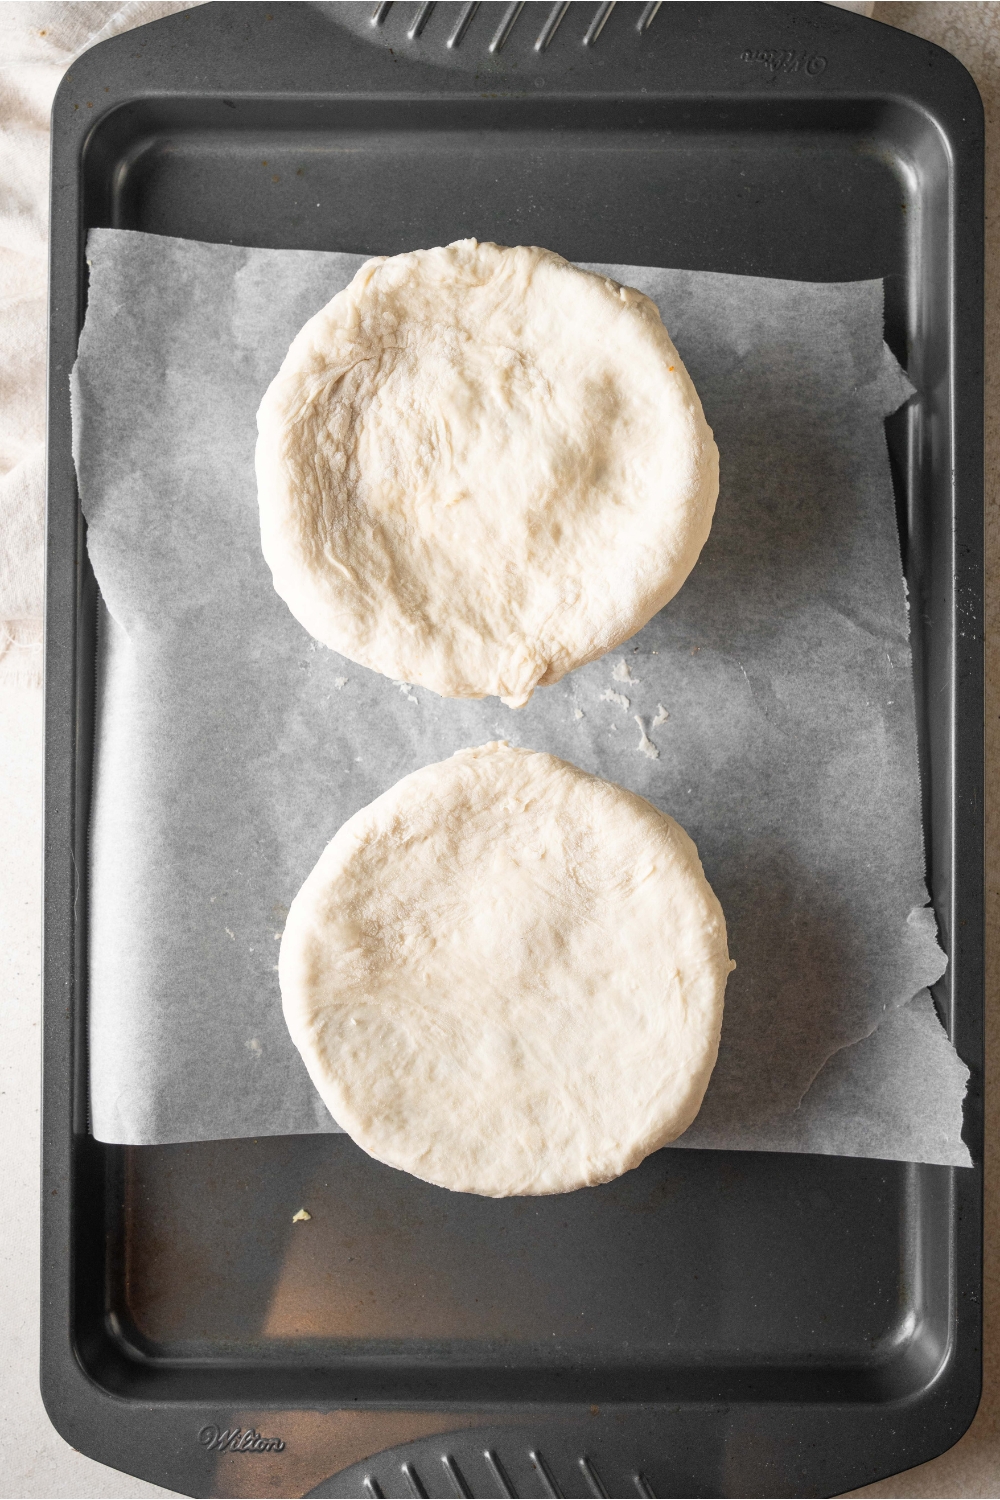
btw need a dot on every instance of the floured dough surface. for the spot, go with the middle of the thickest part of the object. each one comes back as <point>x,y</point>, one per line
<point>506,975</point>
<point>481,467</point>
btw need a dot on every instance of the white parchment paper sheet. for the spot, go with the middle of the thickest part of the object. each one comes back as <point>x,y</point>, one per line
<point>769,708</point>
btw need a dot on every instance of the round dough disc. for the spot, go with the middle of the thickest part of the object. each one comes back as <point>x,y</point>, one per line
<point>506,975</point>
<point>480,467</point>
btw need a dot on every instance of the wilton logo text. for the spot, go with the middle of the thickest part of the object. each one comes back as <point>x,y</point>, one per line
<point>235,1440</point>
<point>780,61</point>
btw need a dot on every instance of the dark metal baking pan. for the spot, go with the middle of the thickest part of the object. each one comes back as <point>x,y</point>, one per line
<point>714,1323</point>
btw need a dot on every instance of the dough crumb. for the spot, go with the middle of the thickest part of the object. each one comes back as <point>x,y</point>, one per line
<point>254,1046</point>
<point>340,682</point>
<point>645,744</point>
<point>405,689</point>
<point>623,672</point>
<point>661,716</point>
<point>610,696</point>
<point>302,1217</point>
<point>578,713</point>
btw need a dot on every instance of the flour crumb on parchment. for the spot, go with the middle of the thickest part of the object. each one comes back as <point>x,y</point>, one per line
<point>645,745</point>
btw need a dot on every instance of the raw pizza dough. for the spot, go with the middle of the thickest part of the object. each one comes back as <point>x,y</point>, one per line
<point>480,467</point>
<point>506,975</point>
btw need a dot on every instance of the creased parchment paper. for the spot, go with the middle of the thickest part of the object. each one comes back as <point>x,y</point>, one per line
<point>769,708</point>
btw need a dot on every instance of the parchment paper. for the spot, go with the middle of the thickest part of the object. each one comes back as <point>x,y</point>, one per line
<point>769,708</point>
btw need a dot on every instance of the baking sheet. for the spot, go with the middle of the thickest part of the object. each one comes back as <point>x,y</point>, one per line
<point>769,708</point>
